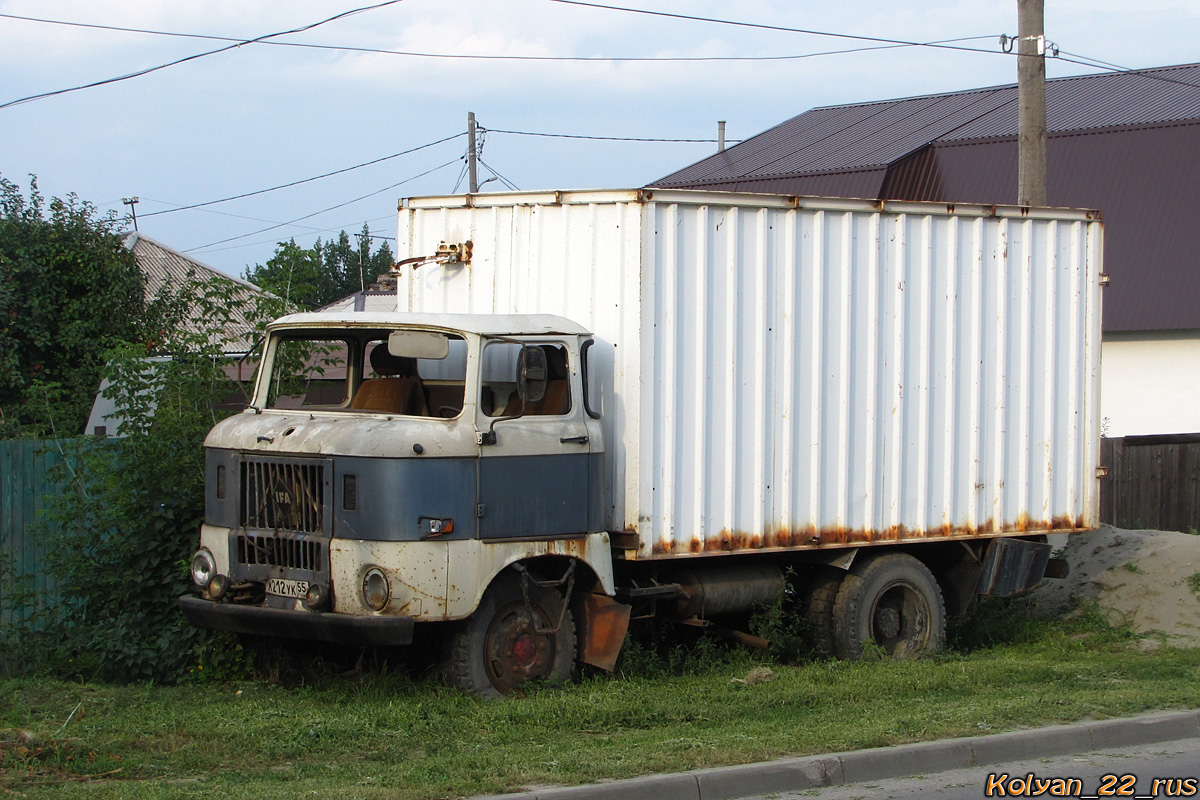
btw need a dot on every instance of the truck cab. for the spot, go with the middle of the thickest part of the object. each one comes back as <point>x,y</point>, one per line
<point>391,466</point>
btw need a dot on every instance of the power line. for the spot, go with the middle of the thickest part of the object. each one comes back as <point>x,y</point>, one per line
<point>235,216</point>
<point>605,138</point>
<point>305,180</point>
<point>239,43</point>
<point>324,210</point>
<point>335,229</point>
<point>760,26</point>
<point>509,57</point>
<point>1116,69</point>
<point>498,176</point>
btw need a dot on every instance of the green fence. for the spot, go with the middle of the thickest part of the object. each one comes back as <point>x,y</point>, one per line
<point>25,466</point>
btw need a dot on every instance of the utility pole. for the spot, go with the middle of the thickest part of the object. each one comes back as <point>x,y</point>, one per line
<point>472,154</point>
<point>132,203</point>
<point>1031,97</point>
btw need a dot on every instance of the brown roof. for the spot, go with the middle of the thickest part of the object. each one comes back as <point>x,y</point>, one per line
<point>1125,143</point>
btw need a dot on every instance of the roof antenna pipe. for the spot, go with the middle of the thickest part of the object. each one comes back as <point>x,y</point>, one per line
<point>472,154</point>
<point>720,136</point>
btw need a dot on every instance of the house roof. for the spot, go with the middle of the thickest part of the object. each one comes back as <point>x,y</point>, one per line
<point>1127,144</point>
<point>871,136</point>
<point>164,266</point>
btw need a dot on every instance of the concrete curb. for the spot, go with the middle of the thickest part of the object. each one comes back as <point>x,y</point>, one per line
<point>810,772</point>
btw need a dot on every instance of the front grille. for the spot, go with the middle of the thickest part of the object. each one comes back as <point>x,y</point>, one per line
<point>284,495</point>
<point>278,551</point>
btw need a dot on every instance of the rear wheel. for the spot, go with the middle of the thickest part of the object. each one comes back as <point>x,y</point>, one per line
<point>507,642</point>
<point>888,604</point>
<point>820,592</point>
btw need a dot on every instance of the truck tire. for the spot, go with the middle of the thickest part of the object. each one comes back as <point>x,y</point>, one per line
<point>498,649</point>
<point>820,592</point>
<point>890,604</point>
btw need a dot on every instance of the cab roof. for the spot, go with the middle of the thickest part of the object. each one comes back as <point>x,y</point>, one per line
<point>482,324</point>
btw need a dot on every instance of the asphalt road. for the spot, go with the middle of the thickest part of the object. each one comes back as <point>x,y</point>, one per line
<point>1121,772</point>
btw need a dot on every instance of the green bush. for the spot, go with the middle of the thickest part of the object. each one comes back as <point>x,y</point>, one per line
<point>122,532</point>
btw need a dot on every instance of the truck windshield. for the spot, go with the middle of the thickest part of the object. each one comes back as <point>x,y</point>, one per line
<point>357,371</point>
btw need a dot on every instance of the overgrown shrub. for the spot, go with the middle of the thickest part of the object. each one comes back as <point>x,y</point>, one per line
<point>123,530</point>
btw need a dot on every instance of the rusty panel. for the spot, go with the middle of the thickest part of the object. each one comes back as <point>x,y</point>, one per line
<point>603,623</point>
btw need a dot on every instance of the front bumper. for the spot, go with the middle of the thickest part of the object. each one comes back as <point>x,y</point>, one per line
<point>318,625</point>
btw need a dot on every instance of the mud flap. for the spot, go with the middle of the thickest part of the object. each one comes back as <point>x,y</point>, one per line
<point>602,623</point>
<point>1013,567</point>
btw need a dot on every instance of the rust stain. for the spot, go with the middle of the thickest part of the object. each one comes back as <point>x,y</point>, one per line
<point>810,538</point>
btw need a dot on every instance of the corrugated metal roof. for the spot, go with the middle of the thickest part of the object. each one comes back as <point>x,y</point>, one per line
<point>877,134</point>
<point>165,266</point>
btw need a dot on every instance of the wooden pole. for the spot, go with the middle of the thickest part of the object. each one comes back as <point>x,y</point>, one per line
<point>1031,95</point>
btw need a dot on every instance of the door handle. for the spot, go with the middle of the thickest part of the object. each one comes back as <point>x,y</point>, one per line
<point>574,440</point>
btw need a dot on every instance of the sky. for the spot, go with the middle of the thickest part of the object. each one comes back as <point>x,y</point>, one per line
<point>264,114</point>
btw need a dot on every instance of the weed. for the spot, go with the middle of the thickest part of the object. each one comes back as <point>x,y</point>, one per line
<point>1132,566</point>
<point>782,623</point>
<point>1194,584</point>
<point>992,622</point>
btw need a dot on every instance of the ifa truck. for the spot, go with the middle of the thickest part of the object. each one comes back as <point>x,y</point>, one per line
<point>585,407</point>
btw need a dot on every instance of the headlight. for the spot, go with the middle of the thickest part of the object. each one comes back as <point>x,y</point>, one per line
<point>203,568</point>
<point>316,597</point>
<point>375,590</point>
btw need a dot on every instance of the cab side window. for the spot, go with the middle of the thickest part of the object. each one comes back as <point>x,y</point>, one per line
<point>499,396</point>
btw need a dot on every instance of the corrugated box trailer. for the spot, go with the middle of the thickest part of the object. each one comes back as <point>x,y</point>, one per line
<point>779,372</point>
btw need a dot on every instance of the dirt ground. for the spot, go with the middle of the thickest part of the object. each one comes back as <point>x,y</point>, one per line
<point>1150,579</point>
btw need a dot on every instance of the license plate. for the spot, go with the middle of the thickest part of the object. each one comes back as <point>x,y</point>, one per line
<point>285,588</point>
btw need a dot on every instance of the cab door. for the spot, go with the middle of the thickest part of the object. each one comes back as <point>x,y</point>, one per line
<point>536,473</point>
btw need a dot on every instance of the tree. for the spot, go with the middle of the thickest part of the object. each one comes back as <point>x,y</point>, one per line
<point>325,272</point>
<point>293,274</point>
<point>69,292</point>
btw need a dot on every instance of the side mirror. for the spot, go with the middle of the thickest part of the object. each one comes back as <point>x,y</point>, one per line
<point>531,374</point>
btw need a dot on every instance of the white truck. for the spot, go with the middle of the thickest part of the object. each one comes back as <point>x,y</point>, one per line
<point>588,406</point>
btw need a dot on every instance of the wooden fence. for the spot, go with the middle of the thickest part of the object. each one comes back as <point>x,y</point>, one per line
<point>25,482</point>
<point>1153,482</point>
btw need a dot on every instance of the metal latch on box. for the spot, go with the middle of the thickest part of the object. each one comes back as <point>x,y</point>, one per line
<point>447,254</point>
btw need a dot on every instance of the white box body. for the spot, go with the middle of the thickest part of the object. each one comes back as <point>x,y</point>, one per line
<point>778,373</point>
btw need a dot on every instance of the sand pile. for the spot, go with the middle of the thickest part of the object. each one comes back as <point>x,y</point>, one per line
<point>1149,579</point>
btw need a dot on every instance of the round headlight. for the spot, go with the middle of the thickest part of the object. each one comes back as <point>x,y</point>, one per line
<point>203,568</point>
<point>217,587</point>
<point>316,597</point>
<point>375,590</point>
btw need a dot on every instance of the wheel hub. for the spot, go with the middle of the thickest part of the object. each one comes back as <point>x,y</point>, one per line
<point>887,622</point>
<point>524,651</point>
<point>516,652</point>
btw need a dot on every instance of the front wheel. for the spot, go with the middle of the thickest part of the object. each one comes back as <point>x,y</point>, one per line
<point>888,604</point>
<point>508,642</point>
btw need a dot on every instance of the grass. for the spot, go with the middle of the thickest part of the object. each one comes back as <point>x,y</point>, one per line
<point>384,734</point>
